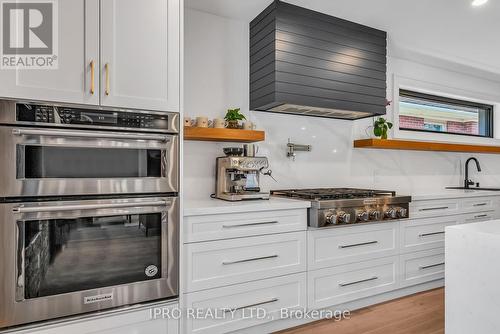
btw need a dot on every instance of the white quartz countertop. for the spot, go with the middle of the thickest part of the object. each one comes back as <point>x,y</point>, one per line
<point>216,206</point>
<point>451,193</point>
<point>490,227</point>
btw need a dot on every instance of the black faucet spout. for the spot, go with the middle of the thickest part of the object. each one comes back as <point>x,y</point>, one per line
<point>467,182</point>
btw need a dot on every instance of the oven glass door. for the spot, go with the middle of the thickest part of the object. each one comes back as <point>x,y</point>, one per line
<point>45,162</point>
<point>68,255</point>
<point>75,247</point>
<point>53,162</point>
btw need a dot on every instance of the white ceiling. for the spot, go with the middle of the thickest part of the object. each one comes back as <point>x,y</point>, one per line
<point>445,29</point>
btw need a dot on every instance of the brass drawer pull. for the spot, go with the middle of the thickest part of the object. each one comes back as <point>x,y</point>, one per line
<point>273,300</point>
<point>358,282</point>
<point>92,77</point>
<point>250,224</point>
<point>431,266</point>
<point>429,234</point>
<point>252,259</point>
<point>360,244</point>
<point>436,208</point>
<point>106,68</point>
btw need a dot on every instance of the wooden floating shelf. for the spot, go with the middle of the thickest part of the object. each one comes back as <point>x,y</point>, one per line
<point>396,144</point>
<point>224,135</point>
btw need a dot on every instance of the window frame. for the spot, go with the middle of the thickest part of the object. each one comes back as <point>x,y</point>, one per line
<point>442,99</point>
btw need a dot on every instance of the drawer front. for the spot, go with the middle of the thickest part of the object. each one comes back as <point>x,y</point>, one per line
<point>337,285</point>
<point>336,246</point>
<point>423,234</point>
<point>434,208</point>
<point>242,302</point>
<point>137,321</point>
<point>479,217</point>
<point>225,226</point>
<point>478,204</point>
<point>219,263</point>
<point>421,267</point>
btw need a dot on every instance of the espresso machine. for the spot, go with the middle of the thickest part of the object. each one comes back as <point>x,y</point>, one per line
<point>238,174</point>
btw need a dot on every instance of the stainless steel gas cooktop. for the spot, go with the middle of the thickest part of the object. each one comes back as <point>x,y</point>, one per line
<point>342,206</point>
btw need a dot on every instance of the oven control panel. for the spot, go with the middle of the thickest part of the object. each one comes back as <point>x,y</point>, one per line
<point>60,115</point>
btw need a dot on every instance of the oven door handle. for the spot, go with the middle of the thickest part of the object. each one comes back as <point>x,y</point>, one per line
<point>90,134</point>
<point>58,208</point>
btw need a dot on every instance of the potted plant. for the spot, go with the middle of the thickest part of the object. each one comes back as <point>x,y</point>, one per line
<point>380,127</point>
<point>233,118</point>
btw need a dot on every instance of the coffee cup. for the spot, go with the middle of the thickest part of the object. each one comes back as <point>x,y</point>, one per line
<point>248,126</point>
<point>188,121</point>
<point>203,122</point>
<point>219,123</point>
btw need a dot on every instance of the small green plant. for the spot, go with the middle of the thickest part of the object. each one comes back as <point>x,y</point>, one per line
<point>234,115</point>
<point>380,127</point>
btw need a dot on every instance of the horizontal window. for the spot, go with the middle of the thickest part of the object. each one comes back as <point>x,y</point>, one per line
<point>430,113</point>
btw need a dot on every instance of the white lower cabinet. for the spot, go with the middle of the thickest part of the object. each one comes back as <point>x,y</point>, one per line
<point>335,246</point>
<point>243,305</point>
<point>246,261</point>
<point>341,284</point>
<point>425,233</point>
<point>434,208</point>
<point>243,224</point>
<point>479,217</point>
<point>139,321</point>
<point>222,262</point>
<point>421,267</point>
<point>479,203</point>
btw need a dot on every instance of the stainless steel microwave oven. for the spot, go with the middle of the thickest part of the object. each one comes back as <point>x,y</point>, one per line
<point>59,150</point>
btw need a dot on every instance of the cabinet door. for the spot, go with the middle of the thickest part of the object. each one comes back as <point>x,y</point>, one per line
<point>78,45</point>
<point>140,54</point>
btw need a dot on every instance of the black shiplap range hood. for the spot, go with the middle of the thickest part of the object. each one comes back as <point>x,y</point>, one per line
<point>308,63</point>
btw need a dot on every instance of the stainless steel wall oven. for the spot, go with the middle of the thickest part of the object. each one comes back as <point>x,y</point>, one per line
<point>89,210</point>
<point>57,150</point>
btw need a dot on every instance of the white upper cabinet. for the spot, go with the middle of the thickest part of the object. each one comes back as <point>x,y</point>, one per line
<point>78,45</point>
<point>140,54</point>
<point>117,53</point>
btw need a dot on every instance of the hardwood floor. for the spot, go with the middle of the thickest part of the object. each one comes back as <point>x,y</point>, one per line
<point>422,313</point>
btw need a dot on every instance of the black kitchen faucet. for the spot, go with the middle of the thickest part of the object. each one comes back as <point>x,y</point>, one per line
<point>468,182</point>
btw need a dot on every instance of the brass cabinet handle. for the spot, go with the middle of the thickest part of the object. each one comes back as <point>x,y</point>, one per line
<point>106,68</point>
<point>92,77</point>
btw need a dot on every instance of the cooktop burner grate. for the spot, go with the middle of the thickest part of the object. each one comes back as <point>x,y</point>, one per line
<point>331,193</point>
